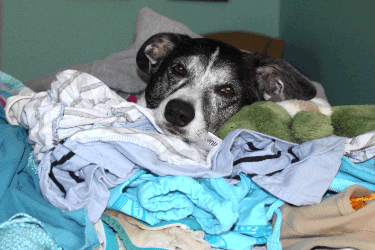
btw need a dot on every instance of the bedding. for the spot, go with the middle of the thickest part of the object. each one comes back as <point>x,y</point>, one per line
<point>87,150</point>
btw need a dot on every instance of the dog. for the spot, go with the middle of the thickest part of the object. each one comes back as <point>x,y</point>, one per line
<point>196,85</point>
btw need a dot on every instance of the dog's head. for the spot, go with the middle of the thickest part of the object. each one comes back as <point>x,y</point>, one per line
<point>198,84</point>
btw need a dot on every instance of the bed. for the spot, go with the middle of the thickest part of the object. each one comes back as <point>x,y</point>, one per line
<point>85,169</point>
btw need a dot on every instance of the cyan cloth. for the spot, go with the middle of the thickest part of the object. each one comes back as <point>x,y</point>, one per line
<point>20,193</point>
<point>233,216</point>
<point>10,81</point>
<point>23,232</point>
<point>351,173</point>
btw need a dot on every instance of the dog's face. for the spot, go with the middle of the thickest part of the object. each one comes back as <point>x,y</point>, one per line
<point>196,85</point>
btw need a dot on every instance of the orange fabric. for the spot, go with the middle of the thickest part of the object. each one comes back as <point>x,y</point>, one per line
<point>359,202</point>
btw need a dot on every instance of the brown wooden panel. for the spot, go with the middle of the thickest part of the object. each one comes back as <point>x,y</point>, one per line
<point>251,41</point>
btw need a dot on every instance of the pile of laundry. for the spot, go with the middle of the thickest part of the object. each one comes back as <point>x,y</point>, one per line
<point>85,169</point>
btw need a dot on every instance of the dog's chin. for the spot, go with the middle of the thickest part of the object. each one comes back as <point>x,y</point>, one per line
<point>174,131</point>
<point>178,132</point>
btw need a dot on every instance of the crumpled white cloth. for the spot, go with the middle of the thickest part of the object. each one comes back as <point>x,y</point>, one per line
<point>15,104</point>
<point>360,148</point>
<point>76,101</point>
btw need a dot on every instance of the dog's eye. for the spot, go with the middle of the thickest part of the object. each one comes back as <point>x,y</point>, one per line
<point>180,70</point>
<point>227,90</point>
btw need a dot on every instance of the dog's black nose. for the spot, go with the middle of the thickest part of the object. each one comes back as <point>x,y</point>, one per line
<point>179,113</point>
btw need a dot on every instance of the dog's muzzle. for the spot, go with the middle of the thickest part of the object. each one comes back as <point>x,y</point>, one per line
<point>179,113</point>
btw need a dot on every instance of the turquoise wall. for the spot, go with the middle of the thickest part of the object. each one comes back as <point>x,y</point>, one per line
<point>40,36</point>
<point>333,42</point>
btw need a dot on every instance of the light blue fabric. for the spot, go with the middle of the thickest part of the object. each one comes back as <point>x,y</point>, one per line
<point>10,81</point>
<point>351,173</point>
<point>153,198</point>
<point>297,174</point>
<point>23,232</point>
<point>20,193</point>
<point>32,164</point>
<point>233,216</point>
<point>5,93</point>
<point>114,158</point>
<point>300,183</point>
<point>245,236</point>
<point>273,242</point>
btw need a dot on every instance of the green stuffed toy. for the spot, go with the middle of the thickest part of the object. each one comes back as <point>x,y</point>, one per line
<point>301,121</point>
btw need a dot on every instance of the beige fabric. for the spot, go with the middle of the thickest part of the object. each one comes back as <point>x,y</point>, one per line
<point>293,106</point>
<point>101,235</point>
<point>99,227</point>
<point>331,223</point>
<point>173,236</point>
<point>119,242</point>
<point>15,104</point>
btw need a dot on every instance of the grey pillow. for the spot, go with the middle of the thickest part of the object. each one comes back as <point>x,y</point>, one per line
<point>119,71</point>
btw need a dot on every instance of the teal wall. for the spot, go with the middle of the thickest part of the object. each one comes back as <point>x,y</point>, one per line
<point>40,36</point>
<point>333,42</point>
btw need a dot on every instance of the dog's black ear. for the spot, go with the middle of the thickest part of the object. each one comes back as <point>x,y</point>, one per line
<point>278,81</point>
<point>156,48</point>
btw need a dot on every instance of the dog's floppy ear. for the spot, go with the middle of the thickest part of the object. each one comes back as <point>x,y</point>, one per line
<point>278,81</point>
<point>156,48</point>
